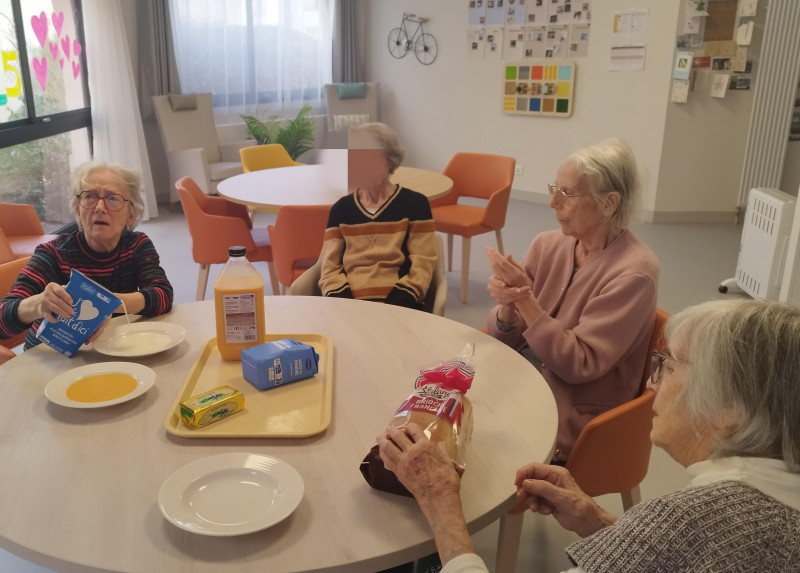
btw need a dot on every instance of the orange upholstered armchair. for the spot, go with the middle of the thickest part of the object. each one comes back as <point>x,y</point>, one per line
<point>482,176</point>
<point>296,239</point>
<point>216,224</point>
<point>260,157</point>
<point>9,272</point>
<point>22,228</point>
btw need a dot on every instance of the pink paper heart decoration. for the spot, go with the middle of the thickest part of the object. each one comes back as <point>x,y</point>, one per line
<point>65,45</point>
<point>58,21</point>
<point>53,49</point>
<point>39,25</point>
<point>61,62</point>
<point>76,69</point>
<point>76,48</point>
<point>40,69</point>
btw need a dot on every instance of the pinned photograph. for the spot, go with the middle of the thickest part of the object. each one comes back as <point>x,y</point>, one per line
<point>721,64</point>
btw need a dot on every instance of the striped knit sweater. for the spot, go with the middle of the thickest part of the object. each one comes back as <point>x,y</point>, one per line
<point>133,266</point>
<point>387,256</point>
<point>726,526</point>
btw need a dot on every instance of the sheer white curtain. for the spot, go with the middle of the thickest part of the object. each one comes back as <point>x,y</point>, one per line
<point>270,55</point>
<point>116,124</point>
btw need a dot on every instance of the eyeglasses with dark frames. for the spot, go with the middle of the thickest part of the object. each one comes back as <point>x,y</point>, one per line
<point>656,365</point>
<point>556,190</point>
<point>113,201</point>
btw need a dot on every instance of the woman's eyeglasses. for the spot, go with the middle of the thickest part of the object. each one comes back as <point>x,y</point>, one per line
<point>556,190</point>
<point>113,201</point>
<point>656,365</point>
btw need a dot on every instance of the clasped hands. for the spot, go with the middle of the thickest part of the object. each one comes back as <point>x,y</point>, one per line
<point>429,474</point>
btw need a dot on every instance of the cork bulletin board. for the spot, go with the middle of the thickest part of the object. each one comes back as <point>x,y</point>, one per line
<point>539,88</point>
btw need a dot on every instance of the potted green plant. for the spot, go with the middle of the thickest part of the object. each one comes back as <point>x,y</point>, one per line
<point>296,135</point>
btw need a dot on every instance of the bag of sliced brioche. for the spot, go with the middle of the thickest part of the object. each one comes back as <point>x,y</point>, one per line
<point>440,407</point>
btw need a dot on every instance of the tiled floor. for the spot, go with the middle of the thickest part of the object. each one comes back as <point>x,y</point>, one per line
<point>694,259</point>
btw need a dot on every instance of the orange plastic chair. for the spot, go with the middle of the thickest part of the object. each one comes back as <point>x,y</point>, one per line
<point>477,175</point>
<point>9,272</point>
<point>22,228</point>
<point>260,157</point>
<point>612,452</point>
<point>216,224</point>
<point>6,253</point>
<point>296,239</point>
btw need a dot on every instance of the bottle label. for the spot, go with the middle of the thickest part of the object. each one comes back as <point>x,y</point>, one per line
<point>240,317</point>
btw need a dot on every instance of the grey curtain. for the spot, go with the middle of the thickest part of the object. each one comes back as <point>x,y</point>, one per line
<point>157,74</point>
<point>347,61</point>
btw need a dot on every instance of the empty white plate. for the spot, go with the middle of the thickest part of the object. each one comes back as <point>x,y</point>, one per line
<point>231,494</point>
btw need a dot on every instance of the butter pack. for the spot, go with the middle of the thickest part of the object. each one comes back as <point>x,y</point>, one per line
<point>208,407</point>
<point>92,304</point>
<point>279,362</point>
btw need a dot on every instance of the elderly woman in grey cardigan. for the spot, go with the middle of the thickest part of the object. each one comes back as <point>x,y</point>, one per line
<point>727,408</point>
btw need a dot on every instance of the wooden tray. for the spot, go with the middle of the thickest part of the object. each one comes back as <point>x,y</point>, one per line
<point>297,410</point>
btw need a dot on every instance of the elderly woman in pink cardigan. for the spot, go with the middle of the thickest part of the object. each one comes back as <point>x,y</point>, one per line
<point>581,303</point>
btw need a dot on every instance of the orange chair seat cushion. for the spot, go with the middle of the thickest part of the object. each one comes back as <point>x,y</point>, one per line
<point>463,220</point>
<point>24,245</point>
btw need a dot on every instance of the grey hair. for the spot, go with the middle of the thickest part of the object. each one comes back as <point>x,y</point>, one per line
<point>610,166</point>
<point>387,139</point>
<point>131,179</point>
<point>744,358</point>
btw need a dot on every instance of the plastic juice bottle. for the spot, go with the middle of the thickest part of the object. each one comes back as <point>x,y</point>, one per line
<point>239,304</point>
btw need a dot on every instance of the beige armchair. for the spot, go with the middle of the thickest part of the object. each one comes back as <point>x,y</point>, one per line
<point>186,123</point>
<point>345,112</point>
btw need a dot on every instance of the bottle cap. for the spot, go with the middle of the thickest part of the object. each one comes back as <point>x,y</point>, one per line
<point>237,251</point>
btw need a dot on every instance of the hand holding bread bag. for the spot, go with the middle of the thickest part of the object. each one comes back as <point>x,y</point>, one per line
<point>440,407</point>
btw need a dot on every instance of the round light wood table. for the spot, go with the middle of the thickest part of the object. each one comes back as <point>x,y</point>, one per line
<point>323,184</point>
<point>80,486</point>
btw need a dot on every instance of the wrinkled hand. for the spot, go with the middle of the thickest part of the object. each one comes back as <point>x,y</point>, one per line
<point>52,302</point>
<point>550,490</point>
<point>422,466</point>
<point>505,294</point>
<point>506,268</point>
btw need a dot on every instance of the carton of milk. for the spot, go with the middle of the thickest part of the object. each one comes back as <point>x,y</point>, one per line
<point>92,304</point>
<point>279,362</point>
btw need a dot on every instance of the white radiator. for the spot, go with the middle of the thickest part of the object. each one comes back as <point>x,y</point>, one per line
<point>765,238</point>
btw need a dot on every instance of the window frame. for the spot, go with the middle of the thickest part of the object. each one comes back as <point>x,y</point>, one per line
<point>36,127</point>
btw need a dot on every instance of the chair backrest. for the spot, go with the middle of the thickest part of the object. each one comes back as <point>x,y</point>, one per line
<point>6,252</point>
<point>297,235</point>
<point>258,157</point>
<point>435,299</point>
<point>215,226</point>
<point>18,219</point>
<point>347,108</point>
<point>612,452</point>
<point>9,272</point>
<point>483,176</point>
<point>186,122</point>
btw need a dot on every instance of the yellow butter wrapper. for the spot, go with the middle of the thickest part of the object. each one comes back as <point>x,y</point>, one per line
<point>208,407</point>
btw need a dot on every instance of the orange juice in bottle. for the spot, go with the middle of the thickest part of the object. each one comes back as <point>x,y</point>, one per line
<point>239,304</point>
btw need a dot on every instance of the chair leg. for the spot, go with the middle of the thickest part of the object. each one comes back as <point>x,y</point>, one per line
<point>466,242</point>
<point>202,281</point>
<point>273,278</point>
<point>499,236</point>
<point>508,542</point>
<point>630,498</point>
<point>449,252</point>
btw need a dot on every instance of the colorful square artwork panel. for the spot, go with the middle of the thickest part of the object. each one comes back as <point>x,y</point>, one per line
<point>538,88</point>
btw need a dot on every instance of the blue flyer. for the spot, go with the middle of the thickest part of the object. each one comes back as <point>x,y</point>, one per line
<point>92,303</point>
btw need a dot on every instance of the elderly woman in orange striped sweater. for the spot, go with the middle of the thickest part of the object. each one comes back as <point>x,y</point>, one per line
<point>379,242</point>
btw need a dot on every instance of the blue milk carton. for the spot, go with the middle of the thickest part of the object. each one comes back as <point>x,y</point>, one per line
<point>92,304</point>
<point>279,362</point>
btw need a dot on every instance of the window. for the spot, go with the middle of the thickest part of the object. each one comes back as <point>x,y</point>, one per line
<point>272,55</point>
<point>45,116</point>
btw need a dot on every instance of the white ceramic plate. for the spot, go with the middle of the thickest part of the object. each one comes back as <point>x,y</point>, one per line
<point>56,390</point>
<point>231,494</point>
<point>139,339</point>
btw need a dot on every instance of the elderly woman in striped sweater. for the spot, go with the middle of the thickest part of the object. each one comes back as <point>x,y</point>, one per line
<point>107,202</point>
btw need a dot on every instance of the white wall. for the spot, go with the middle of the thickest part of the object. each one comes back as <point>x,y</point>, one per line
<point>455,104</point>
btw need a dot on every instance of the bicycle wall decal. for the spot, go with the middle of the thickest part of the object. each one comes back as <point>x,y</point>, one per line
<point>423,44</point>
